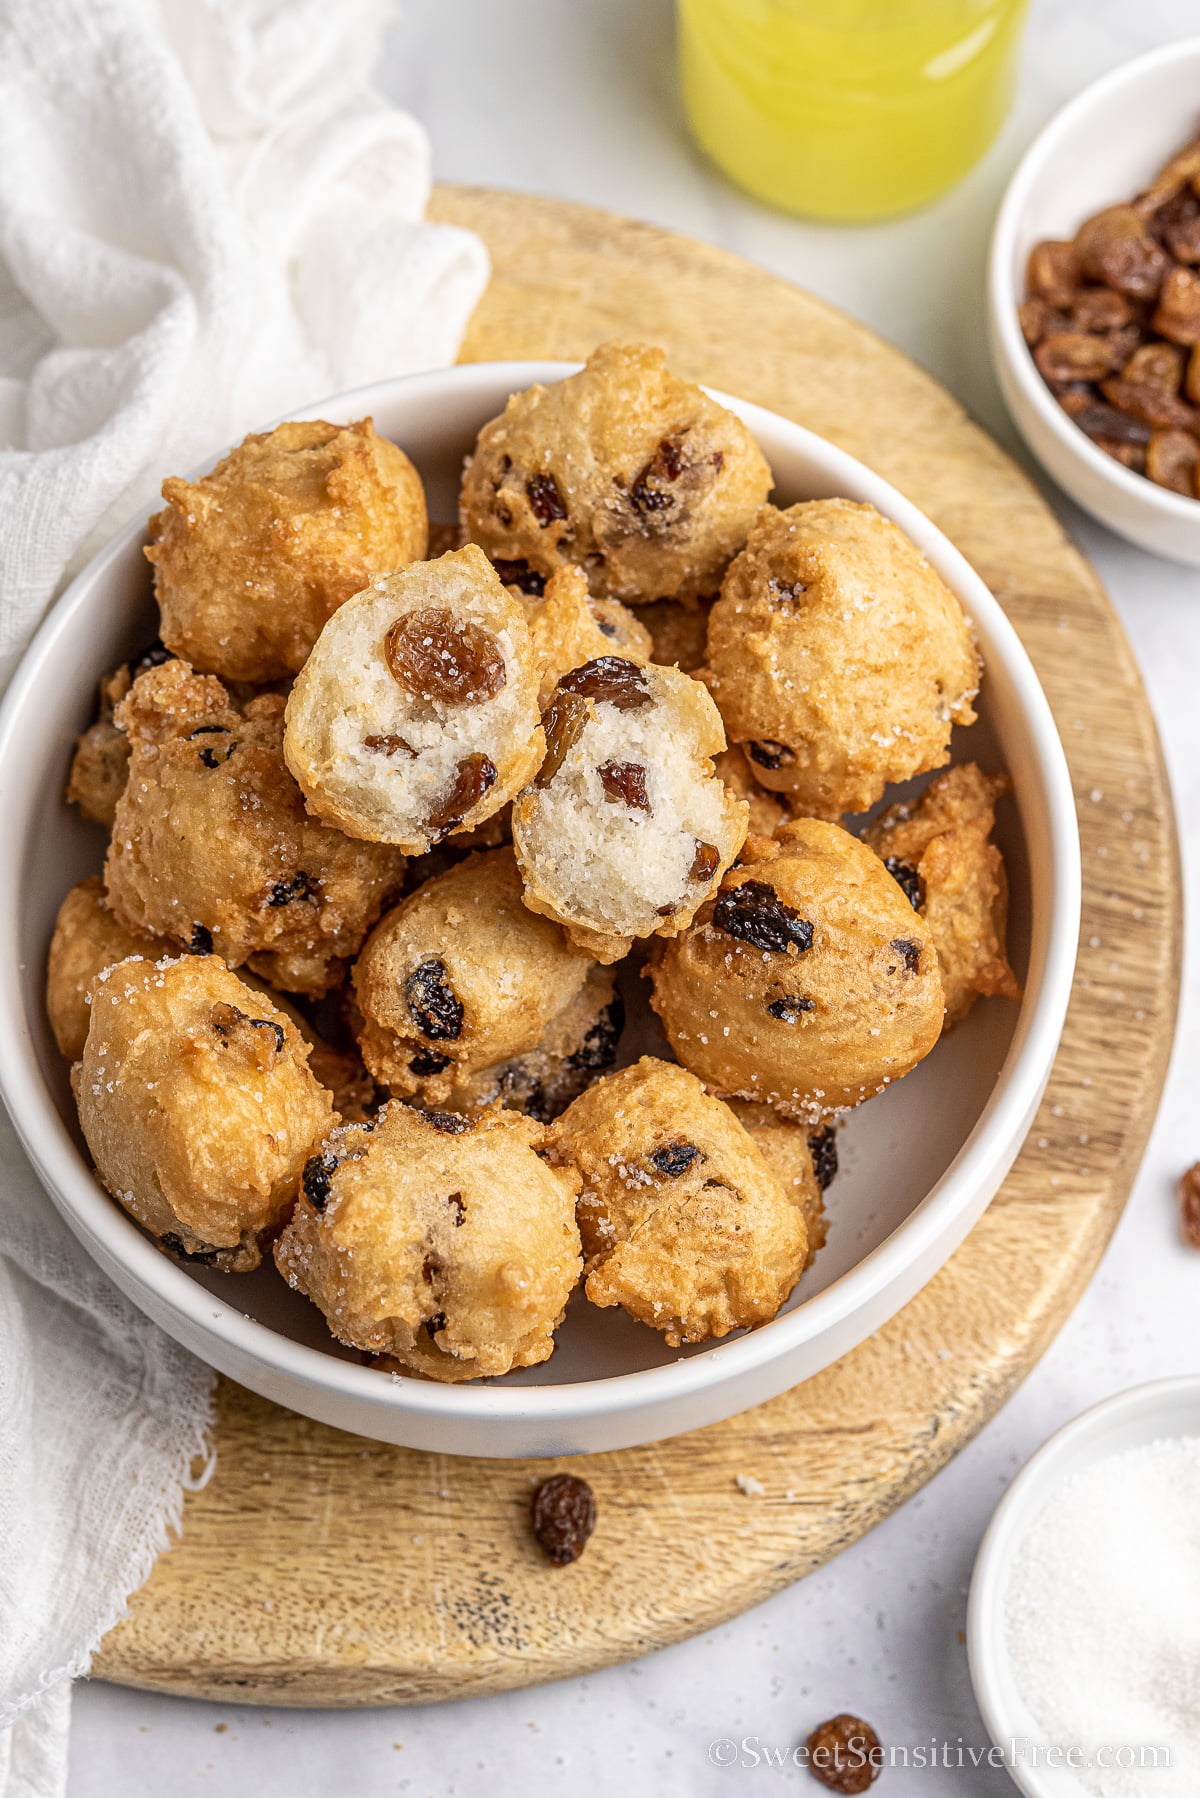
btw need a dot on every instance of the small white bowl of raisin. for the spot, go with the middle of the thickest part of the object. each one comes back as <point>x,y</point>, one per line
<point>1094,299</point>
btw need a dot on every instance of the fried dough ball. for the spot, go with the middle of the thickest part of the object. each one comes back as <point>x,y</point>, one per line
<point>940,851</point>
<point>809,984</point>
<point>416,714</point>
<point>805,1162</point>
<point>684,1224</point>
<point>837,656</point>
<point>101,761</point>
<point>678,633</point>
<point>460,976</point>
<point>252,559</point>
<point>576,1045</point>
<point>198,1106</point>
<point>212,847</point>
<point>449,1246</point>
<point>567,630</point>
<point>87,939</point>
<point>637,476</point>
<point>626,830</point>
<point>767,810</point>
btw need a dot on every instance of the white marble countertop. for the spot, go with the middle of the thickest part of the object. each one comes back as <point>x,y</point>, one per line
<point>577,98</point>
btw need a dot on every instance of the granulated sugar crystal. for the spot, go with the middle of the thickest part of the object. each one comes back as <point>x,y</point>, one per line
<point>1103,1621</point>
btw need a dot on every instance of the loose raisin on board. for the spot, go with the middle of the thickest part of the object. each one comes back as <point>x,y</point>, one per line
<point>755,914</point>
<point>437,1010</point>
<point>476,773</point>
<point>626,782</point>
<point>674,1158</point>
<point>844,1754</point>
<point>907,879</point>
<point>518,573</point>
<point>1115,247</point>
<point>1189,1206</point>
<point>769,754</point>
<point>318,1171</point>
<point>435,655</point>
<point>822,1146</point>
<point>705,862</point>
<point>563,1514</point>
<point>563,724</point>
<point>545,499</point>
<point>1171,461</point>
<point>611,679</point>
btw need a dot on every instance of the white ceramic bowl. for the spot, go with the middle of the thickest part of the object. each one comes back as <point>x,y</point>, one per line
<point>920,1163</point>
<point>1102,148</point>
<point>1161,1410</point>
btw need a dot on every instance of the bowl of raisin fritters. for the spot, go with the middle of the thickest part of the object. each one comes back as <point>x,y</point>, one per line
<point>542,902</point>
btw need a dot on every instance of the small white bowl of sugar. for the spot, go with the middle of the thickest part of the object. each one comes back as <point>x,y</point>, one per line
<point>1083,1626</point>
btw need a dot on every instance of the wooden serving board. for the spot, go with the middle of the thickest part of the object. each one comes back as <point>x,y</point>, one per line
<point>320,1569</point>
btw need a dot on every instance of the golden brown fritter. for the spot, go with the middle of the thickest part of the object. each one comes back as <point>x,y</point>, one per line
<point>634,474</point>
<point>198,1106</point>
<point>837,656</point>
<point>939,848</point>
<point>459,977</point>
<point>87,939</point>
<point>767,810</point>
<point>804,1162</point>
<point>450,1247</point>
<point>252,559</point>
<point>678,633</point>
<point>809,984</point>
<point>212,847</point>
<point>567,629</point>
<point>684,1224</point>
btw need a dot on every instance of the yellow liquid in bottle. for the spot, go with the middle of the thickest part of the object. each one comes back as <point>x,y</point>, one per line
<point>847,109</point>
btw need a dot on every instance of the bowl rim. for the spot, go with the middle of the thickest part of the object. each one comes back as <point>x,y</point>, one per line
<point>1022,1076</point>
<point>1005,287</point>
<point>987,1655</point>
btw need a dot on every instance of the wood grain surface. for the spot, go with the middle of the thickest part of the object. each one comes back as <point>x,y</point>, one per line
<point>320,1569</point>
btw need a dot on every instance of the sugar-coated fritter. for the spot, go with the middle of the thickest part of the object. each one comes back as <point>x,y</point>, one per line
<point>87,939</point>
<point>448,1246</point>
<point>198,1106</point>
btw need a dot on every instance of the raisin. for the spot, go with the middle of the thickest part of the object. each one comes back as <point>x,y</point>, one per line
<point>211,755</point>
<point>1074,356</point>
<point>822,1146</point>
<point>201,941</point>
<point>1177,315</point>
<point>1104,424</point>
<point>598,1049</point>
<point>455,1202</point>
<point>1148,401</point>
<point>1100,309</point>
<point>426,1062</point>
<point>769,754</point>
<point>1115,247</point>
<point>563,724</point>
<point>755,914</point>
<point>905,875</point>
<point>1171,459</point>
<point>607,627</point>
<point>203,1256</point>
<point>705,862</point>
<point>611,679</point>
<point>844,1754</point>
<point>433,654</point>
<point>666,465</point>
<point>1181,230</point>
<point>625,782</point>
<point>476,773</point>
<point>300,886</point>
<point>563,1514</point>
<point>909,953</point>
<point>790,1009</point>
<point>520,574</point>
<point>1037,318</point>
<point>429,1267</point>
<point>318,1171</point>
<point>388,745</point>
<point>537,1104</point>
<point>450,1123</point>
<point>785,595</point>
<point>153,656</point>
<point>1189,1206</point>
<point>675,1158</point>
<point>546,502</point>
<point>1054,272</point>
<point>436,1009</point>
<point>435,1323</point>
<point>1156,365</point>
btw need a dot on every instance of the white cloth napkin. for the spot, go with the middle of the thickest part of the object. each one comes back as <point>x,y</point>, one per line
<point>207,217</point>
